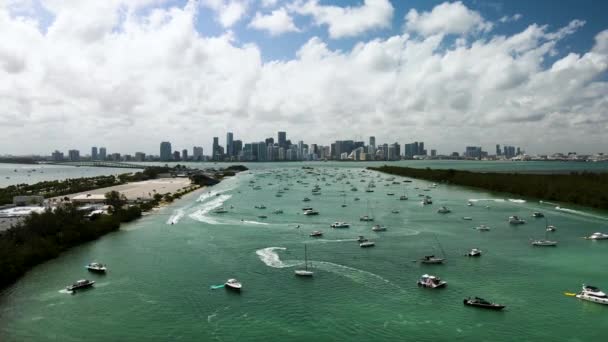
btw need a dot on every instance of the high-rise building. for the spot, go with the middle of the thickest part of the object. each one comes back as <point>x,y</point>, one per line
<point>165,151</point>
<point>372,142</point>
<point>184,154</point>
<point>421,150</point>
<point>57,156</point>
<point>282,139</point>
<point>262,150</point>
<point>74,155</point>
<point>238,147</point>
<point>197,153</point>
<point>140,156</point>
<point>176,155</point>
<point>215,149</point>
<point>433,153</point>
<point>269,141</point>
<point>94,153</point>
<point>498,152</point>
<point>473,152</point>
<point>229,144</point>
<point>102,153</point>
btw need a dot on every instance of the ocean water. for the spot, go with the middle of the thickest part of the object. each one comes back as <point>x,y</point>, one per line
<point>166,269</point>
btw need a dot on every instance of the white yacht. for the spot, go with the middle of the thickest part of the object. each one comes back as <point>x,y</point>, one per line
<point>443,210</point>
<point>467,218</point>
<point>470,204</point>
<point>379,228</point>
<point>474,253</point>
<point>516,220</point>
<point>597,236</point>
<point>233,284</point>
<point>366,244</point>
<point>544,243</point>
<point>431,281</point>
<point>310,212</point>
<point>96,267</point>
<point>366,218</point>
<point>431,259</point>
<point>340,225</point>
<point>592,294</point>
<point>538,214</point>
<point>483,228</point>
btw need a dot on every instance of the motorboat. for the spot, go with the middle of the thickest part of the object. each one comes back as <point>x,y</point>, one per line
<point>443,210</point>
<point>80,284</point>
<point>431,259</point>
<point>544,243</point>
<point>356,198</point>
<point>597,236</point>
<point>378,228</point>
<point>96,267</point>
<point>366,218</point>
<point>390,194</point>
<point>551,228</point>
<point>307,208</point>
<point>278,211</point>
<point>467,218</point>
<point>233,284</point>
<point>482,303</point>
<point>469,203</point>
<point>592,294</point>
<point>367,244</point>
<point>403,198</point>
<point>474,253</point>
<point>395,211</point>
<point>538,214</point>
<point>340,225</point>
<point>262,216</point>
<point>431,281</point>
<point>516,220</point>
<point>482,228</point>
<point>427,200</point>
<point>316,233</point>
<point>261,206</point>
<point>361,238</point>
<point>311,212</point>
<point>306,199</point>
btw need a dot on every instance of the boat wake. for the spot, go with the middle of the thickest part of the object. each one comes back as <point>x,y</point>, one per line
<point>486,200</point>
<point>201,212</point>
<point>581,213</point>
<point>329,241</point>
<point>176,216</point>
<point>255,222</point>
<point>358,276</point>
<point>271,258</point>
<point>65,291</point>
<point>517,200</point>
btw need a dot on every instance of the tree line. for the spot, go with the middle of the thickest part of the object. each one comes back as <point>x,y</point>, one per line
<point>586,189</point>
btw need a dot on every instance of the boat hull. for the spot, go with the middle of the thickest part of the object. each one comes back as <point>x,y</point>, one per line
<point>303,273</point>
<point>592,299</point>
<point>495,307</point>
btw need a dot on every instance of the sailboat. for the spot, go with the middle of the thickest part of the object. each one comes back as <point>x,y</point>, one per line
<point>367,217</point>
<point>305,272</point>
<point>404,196</point>
<point>545,242</point>
<point>431,259</point>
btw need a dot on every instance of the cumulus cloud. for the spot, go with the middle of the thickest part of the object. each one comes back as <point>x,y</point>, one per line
<point>508,19</point>
<point>130,80</point>
<point>349,21</point>
<point>229,12</point>
<point>446,18</point>
<point>276,23</point>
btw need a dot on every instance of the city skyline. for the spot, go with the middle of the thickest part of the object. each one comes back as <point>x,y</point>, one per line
<point>456,73</point>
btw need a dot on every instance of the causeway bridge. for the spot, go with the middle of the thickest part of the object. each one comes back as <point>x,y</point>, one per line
<point>98,164</point>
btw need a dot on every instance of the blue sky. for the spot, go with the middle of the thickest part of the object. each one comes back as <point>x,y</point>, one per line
<point>448,73</point>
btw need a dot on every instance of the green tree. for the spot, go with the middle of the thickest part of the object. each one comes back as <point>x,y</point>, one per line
<point>115,200</point>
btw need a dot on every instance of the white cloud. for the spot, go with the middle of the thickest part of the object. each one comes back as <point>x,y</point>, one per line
<point>349,21</point>
<point>229,12</point>
<point>446,18</point>
<point>276,23</point>
<point>508,19</point>
<point>157,78</point>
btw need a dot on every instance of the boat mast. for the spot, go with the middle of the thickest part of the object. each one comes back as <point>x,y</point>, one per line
<point>305,258</point>
<point>441,248</point>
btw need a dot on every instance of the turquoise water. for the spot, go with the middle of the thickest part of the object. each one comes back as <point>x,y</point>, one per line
<point>159,284</point>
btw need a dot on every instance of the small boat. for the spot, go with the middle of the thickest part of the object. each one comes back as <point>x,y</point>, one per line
<point>340,225</point>
<point>467,218</point>
<point>278,211</point>
<point>551,228</point>
<point>233,284</point>
<point>516,220</point>
<point>482,228</point>
<point>96,267</point>
<point>307,208</point>
<point>431,259</point>
<point>262,216</point>
<point>311,212</point>
<point>592,294</point>
<point>356,198</point>
<point>469,203</point>
<point>367,244</point>
<point>403,198</point>
<point>306,199</point>
<point>474,253</point>
<point>597,236</point>
<point>305,272</point>
<point>379,228</point>
<point>260,206</point>
<point>80,284</point>
<point>538,214</point>
<point>544,243</point>
<point>366,218</point>
<point>316,233</point>
<point>390,194</point>
<point>427,200</point>
<point>395,211</point>
<point>482,303</point>
<point>431,281</point>
<point>220,210</point>
<point>443,210</point>
<point>361,238</point>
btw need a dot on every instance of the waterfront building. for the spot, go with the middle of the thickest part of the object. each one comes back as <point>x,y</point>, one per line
<point>197,153</point>
<point>238,147</point>
<point>176,155</point>
<point>74,155</point>
<point>115,157</point>
<point>102,153</point>
<point>140,156</point>
<point>184,154</point>
<point>229,144</point>
<point>473,152</point>
<point>498,151</point>
<point>372,143</point>
<point>281,153</point>
<point>215,150</point>
<point>282,140</point>
<point>433,153</point>
<point>165,151</point>
<point>94,153</point>
<point>57,156</point>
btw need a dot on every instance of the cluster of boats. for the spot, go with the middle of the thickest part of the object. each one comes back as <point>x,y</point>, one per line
<point>94,267</point>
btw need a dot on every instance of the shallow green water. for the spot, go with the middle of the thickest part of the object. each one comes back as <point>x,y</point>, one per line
<point>158,286</point>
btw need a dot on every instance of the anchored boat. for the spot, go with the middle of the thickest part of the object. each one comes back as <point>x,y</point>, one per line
<point>482,303</point>
<point>592,294</point>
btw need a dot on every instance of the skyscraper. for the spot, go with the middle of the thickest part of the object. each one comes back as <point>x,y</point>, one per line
<point>372,142</point>
<point>165,151</point>
<point>282,140</point>
<point>94,153</point>
<point>197,153</point>
<point>184,154</point>
<point>102,153</point>
<point>74,155</point>
<point>229,144</point>
<point>498,150</point>
<point>215,151</point>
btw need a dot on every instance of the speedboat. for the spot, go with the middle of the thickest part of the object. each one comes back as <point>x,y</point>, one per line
<point>516,220</point>
<point>482,303</point>
<point>367,244</point>
<point>340,225</point>
<point>544,243</point>
<point>443,210</point>
<point>592,294</point>
<point>431,259</point>
<point>474,253</point>
<point>316,233</point>
<point>482,228</point>
<point>551,228</point>
<point>431,281</point>
<point>403,198</point>
<point>597,236</point>
<point>80,284</point>
<point>311,212</point>
<point>379,228</point>
<point>96,267</point>
<point>366,218</point>
<point>233,284</point>
<point>361,238</point>
<point>538,214</point>
<point>470,204</point>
